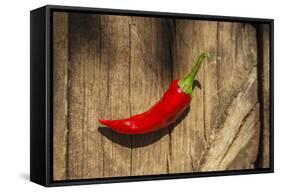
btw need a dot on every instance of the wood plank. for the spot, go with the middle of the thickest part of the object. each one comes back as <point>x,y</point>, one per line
<point>237,55</point>
<point>241,40</point>
<point>238,128</point>
<point>249,138</point>
<point>190,137</point>
<point>236,46</point>
<point>150,76</point>
<point>93,152</point>
<point>85,154</point>
<point>237,60</point>
<point>115,55</point>
<point>60,61</point>
<point>266,95</point>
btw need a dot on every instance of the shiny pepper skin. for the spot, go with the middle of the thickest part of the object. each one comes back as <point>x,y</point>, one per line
<point>165,112</point>
<point>160,115</point>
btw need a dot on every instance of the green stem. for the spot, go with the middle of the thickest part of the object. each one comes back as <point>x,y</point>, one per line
<point>186,84</point>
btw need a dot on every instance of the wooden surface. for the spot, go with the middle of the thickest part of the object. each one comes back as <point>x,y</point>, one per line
<point>60,97</point>
<point>264,32</point>
<point>116,66</point>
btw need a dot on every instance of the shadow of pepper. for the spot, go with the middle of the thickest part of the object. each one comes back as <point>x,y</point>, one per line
<point>196,83</point>
<point>141,140</point>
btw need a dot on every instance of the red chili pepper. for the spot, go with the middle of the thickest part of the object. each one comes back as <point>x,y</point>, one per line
<point>173,103</point>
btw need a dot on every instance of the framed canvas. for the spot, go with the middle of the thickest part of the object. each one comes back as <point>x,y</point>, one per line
<point>129,67</point>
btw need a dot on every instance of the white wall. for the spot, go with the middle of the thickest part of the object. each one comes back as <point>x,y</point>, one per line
<point>14,93</point>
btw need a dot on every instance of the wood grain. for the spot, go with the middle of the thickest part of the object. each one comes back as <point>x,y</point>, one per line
<point>265,41</point>
<point>237,130</point>
<point>115,55</point>
<point>60,100</point>
<point>191,38</point>
<point>237,62</point>
<point>149,78</point>
<point>112,67</point>
<point>85,154</point>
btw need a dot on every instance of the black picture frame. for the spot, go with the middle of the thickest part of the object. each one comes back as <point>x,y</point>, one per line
<point>41,95</point>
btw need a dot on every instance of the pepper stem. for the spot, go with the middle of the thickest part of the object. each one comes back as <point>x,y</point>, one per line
<point>186,84</point>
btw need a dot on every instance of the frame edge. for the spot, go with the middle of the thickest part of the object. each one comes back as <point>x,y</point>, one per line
<point>37,96</point>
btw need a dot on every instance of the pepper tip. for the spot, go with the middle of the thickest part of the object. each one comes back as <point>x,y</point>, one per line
<point>103,121</point>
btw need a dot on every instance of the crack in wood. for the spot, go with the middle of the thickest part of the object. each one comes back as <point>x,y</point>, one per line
<point>130,101</point>
<point>219,137</point>
<point>237,133</point>
<point>69,82</point>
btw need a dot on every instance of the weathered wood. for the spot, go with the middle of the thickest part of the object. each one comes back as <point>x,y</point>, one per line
<point>220,81</point>
<point>266,95</point>
<point>237,59</point>
<point>60,75</point>
<point>190,138</point>
<point>118,66</point>
<point>237,129</point>
<point>85,154</point>
<point>237,55</point>
<point>150,76</point>
<point>115,55</point>
<point>248,154</point>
